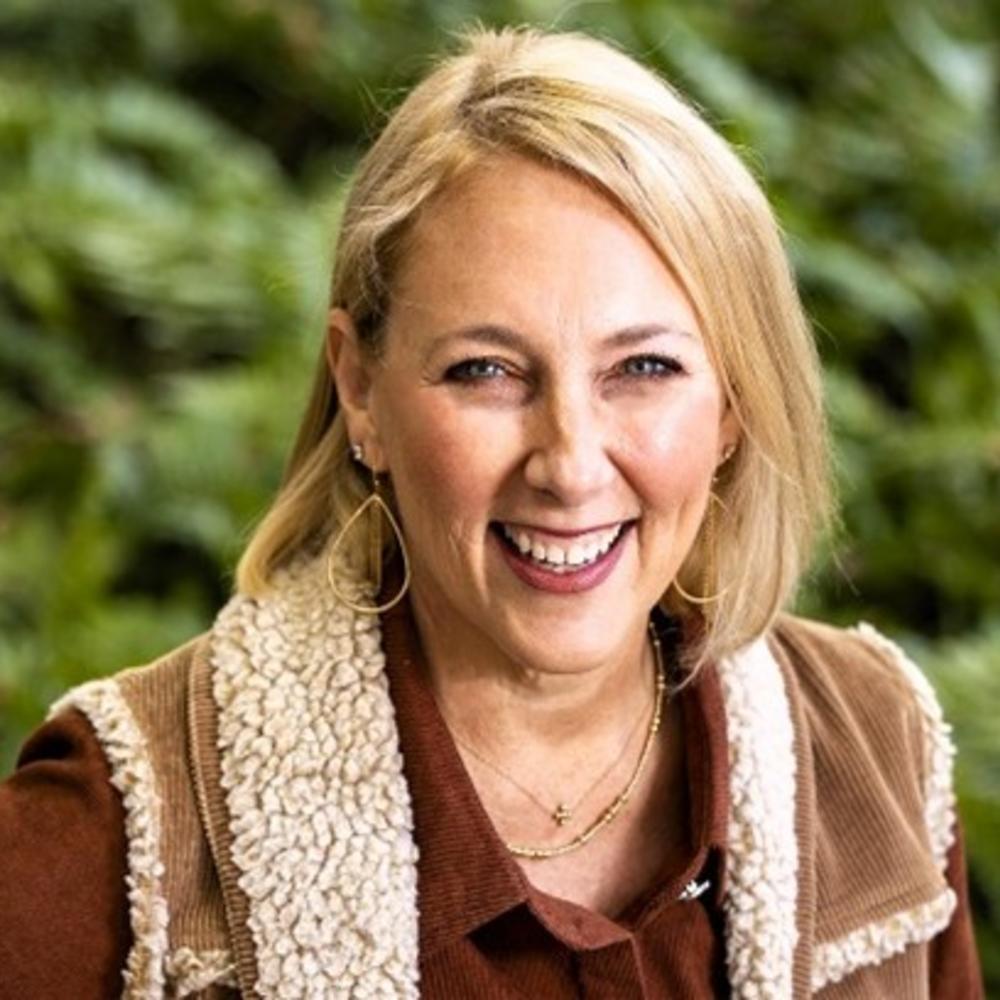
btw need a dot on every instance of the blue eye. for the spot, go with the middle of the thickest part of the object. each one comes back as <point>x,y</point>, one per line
<point>651,366</point>
<point>475,370</point>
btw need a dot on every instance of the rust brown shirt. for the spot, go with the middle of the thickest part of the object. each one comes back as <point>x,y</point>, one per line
<point>63,913</point>
<point>485,932</point>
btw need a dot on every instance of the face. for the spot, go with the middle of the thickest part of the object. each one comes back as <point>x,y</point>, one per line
<point>548,416</point>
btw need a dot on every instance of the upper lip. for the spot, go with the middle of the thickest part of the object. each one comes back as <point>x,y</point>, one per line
<point>542,529</point>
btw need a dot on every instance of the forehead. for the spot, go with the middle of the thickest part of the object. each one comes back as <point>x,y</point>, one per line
<point>520,243</point>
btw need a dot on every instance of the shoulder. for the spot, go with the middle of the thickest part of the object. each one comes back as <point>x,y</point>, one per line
<point>851,693</point>
<point>70,748</point>
<point>63,909</point>
<point>854,662</point>
<point>162,681</point>
<point>139,723</point>
<point>139,716</point>
<point>872,717</point>
<point>839,756</point>
<point>62,753</point>
<point>857,680</point>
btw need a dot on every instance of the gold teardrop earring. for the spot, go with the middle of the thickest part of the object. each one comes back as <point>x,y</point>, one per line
<point>710,568</point>
<point>380,510</point>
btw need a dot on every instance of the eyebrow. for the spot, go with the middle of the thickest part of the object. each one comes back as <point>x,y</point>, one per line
<point>503,336</point>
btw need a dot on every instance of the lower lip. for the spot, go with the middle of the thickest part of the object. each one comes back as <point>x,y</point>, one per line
<point>585,578</point>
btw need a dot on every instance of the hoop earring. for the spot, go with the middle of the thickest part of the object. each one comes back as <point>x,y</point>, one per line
<point>710,546</point>
<point>381,509</point>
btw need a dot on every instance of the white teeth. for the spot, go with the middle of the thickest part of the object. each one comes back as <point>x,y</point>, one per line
<point>557,558</point>
<point>555,555</point>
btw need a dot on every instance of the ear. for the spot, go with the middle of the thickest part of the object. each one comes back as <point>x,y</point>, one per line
<point>729,434</point>
<point>351,371</point>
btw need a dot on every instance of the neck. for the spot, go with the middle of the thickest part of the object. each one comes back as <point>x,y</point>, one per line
<point>520,711</point>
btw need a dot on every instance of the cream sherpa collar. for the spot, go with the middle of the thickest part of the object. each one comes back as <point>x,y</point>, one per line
<point>322,827</point>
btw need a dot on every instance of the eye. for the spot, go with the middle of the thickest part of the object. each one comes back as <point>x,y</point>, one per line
<point>651,366</point>
<point>476,370</point>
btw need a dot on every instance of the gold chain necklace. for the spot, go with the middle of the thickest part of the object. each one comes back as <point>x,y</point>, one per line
<point>562,814</point>
<point>609,813</point>
<point>612,811</point>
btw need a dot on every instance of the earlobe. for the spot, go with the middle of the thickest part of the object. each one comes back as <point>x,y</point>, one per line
<point>729,436</point>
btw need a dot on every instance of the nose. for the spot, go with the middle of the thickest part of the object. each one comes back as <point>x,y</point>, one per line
<point>569,440</point>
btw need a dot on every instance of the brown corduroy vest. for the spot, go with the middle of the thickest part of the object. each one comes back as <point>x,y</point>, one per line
<point>860,858</point>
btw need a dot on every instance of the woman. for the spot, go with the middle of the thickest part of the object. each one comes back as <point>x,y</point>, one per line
<point>569,745</point>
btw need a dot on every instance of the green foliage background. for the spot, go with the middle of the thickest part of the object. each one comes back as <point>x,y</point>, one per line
<point>170,174</point>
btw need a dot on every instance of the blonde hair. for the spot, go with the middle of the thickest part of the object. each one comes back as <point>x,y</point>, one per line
<point>572,101</point>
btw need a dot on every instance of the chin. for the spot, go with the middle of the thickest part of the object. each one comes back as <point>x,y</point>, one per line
<point>567,645</point>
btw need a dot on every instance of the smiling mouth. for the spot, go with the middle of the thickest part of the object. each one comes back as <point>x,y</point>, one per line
<point>567,555</point>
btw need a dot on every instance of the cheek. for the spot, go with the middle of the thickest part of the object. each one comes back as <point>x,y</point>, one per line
<point>446,471</point>
<point>673,452</point>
